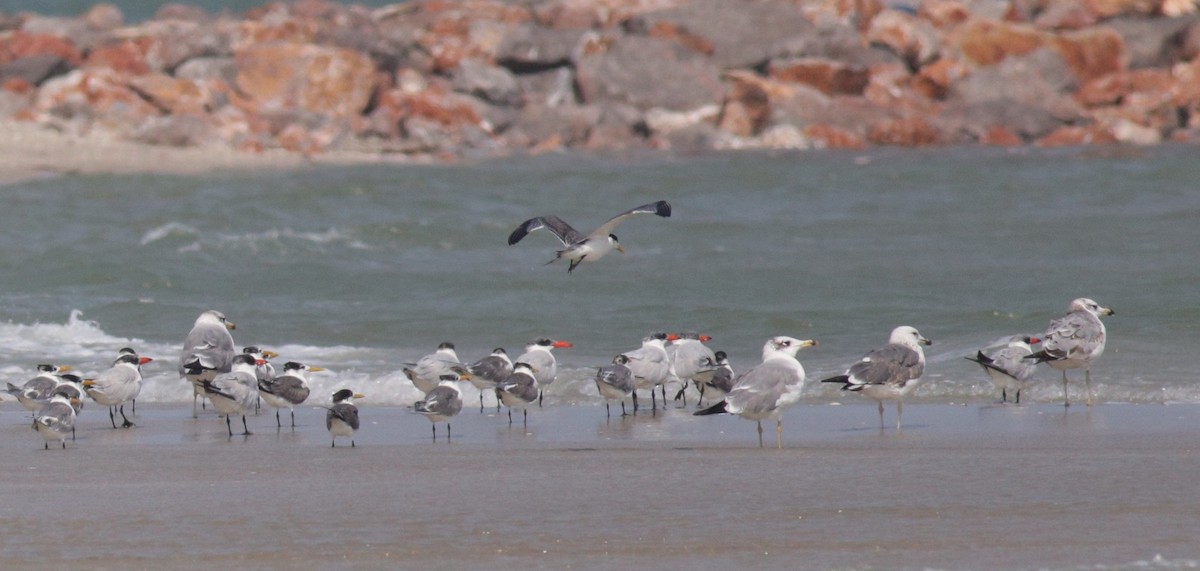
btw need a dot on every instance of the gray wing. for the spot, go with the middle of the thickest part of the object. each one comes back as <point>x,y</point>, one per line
<point>117,376</point>
<point>565,233</point>
<point>58,414</point>
<point>41,386</point>
<point>758,390</point>
<point>521,386</point>
<point>347,413</point>
<point>289,388</point>
<point>661,208</point>
<point>1077,333</point>
<point>889,365</point>
<point>616,376</point>
<point>210,346</point>
<point>545,366</point>
<point>443,401</point>
<point>491,368</point>
<point>692,360</point>
<point>1012,362</point>
<point>722,379</point>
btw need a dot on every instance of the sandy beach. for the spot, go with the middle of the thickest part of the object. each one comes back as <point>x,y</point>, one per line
<point>31,151</point>
<point>961,487</point>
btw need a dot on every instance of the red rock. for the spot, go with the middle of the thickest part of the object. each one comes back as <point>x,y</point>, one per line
<point>914,40</point>
<point>1093,52</point>
<point>100,93</point>
<point>1000,136</point>
<point>826,75</point>
<point>1071,135</point>
<point>126,57</point>
<point>906,132</point>
<point>831,137</point>
<point>1105,9</point>
<point>16,85</point>
<point>173,95</point>
<point>888,86</point>
<point>944,14</point>
<point>746,109</point>
<point>21,44</point>
<point>934,80</point>
<point>332,81</point>
<point>1112,88</point>
<point>985,42</point>
<point>1066,15</point>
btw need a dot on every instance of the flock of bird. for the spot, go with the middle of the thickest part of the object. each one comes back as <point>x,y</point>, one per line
<point>237,382</point>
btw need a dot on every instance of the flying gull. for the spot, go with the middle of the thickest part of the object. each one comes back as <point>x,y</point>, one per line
<point>578,248</point>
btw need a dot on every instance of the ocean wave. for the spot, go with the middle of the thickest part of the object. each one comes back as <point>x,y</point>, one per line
<point>196,240</point>
<point>377,373</point>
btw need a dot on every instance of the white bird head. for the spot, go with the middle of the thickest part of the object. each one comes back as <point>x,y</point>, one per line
<point>909,337</point>
<point>785,345</point>
<point>1090,306</point>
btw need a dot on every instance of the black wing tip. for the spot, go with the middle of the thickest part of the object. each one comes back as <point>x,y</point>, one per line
<point>843,379</point>
<point>980,358</point>
<point>662,208</point>
<point>718,408</point>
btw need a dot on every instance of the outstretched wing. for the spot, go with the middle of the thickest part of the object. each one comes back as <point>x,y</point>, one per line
<point>661,208</point>
<point>560,228</point>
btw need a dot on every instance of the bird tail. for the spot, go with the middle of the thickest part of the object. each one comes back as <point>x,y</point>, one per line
<point>843,379</point>
<point>212,389</point>
<point>980,358</point>
<point>718,408</point>
<point>1041,356</point>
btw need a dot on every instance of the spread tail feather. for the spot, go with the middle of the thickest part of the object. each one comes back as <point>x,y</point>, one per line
<point>718,408</point>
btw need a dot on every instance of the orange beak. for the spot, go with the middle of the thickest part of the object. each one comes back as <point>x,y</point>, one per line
<point>562,345</point>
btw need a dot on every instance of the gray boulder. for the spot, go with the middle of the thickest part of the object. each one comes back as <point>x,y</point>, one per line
<point>743,33</point>
<point>647,73</point>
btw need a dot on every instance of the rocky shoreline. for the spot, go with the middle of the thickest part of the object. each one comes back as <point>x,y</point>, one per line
<point>450,79</point>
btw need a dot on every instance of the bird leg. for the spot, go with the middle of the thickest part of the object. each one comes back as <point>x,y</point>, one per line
<point>480,402</point>
<point>1087,380</point>
<point>635,406</point>
<point>760,443</point>
<point>525,418</point>
<point>664,393</point>
<point>623,408</point>
<point>510,417</point>
<point>1066,397</point>
<point>293,418</point>
<point>608,411</point>
<point>899,413</point>
<point>111,417</point>
<point>125,424</point>
<point>228,426</point>
<point>434,432</point>
<point>447,432</point>
<point>540,394</point>
<point>653,402</point>
<point>279,423</point>
<point>779,433</point>
<point>881,415</point>
<point>244,427</point>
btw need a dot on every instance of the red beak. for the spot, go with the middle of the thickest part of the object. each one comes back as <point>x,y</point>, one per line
<point>705,338</point>
<point>562,345</point>
<point>144,360</point>
<point>673,337</point>
<point>1034,340</point>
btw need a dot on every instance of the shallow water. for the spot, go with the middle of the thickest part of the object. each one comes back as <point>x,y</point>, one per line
<point>363,269</point>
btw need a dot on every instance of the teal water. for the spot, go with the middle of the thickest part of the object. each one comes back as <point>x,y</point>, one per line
<point>363,269</point>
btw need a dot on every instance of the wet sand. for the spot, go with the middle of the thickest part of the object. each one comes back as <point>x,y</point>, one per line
<point>960,487</point>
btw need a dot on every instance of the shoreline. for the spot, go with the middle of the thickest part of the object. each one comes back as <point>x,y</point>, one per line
<point>1020,488</point>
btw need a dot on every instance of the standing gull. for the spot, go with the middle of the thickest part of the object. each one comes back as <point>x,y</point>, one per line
<point>118,385</point>
<point>488,371</point>
<point>889,372</point>
<point>650,367</point>
<point>1008,368</point>
<point>441,404</point>
<point>691,361</point>
<point>766,390</point>
<point>342,418</point>
<point>615,382</point>
<point>56,420</point>
<point>34,393</point>
<point>207,352</point>
<point>542,362</point>
<point>287,390</point>
<point>1073,341</point>
<point>722,378</point>
<point>427,372</point>
<point>578,248</point>
<point>518,390</point>
<point>235,392</point>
